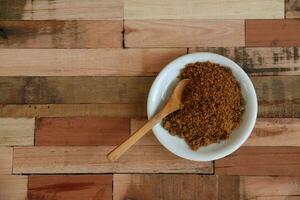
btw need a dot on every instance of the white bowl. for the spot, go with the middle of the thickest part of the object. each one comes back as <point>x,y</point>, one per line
<point>163,86</point>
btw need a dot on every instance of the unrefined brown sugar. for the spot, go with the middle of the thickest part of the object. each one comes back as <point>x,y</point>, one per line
<point>213,105</point>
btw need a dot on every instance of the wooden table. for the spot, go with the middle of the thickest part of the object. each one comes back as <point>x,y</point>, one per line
<point>74,81</point>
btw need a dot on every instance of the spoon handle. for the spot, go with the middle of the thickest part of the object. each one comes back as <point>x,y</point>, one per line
<point>122,148</point>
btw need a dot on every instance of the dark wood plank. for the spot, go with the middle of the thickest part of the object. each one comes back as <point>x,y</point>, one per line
<point>92,159</point>
<point>229,188</point>
<point>292,8</point>
<point>88,131</point>
<point>261,60</point>
<point>279,92</point>
<point>73,110</point>
<point>70,187</point>
<point>193,33</point>
<point>166,187</point>
<point>61,9</point>
<point>273,32</point>
<point>261,161</point>
<point>61,34</point>
<point>45,90</point>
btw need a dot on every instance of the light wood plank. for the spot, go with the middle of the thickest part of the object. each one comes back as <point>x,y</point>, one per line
<point>61,9</point>
<point>273,32</point>
<point>267,132</point>
<point>139,159</point>
<point>261,187</point>
<point>73,110</point>
<point>167,187</point>
<point>13,187</point>
<point>87,131</point>
<point>261,60</point>
<point>85,62</point>
<point>184,33</point>
<point>16,131</point>
<point>60,34</point>
<point>261,161</point>
<point>201,9</point>
<point>275,132</point>
<point>292,9</point>
<point>70,187</point>
<point>6,157</point>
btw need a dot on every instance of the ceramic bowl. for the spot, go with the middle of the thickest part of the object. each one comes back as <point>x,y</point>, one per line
<point>164,85</point>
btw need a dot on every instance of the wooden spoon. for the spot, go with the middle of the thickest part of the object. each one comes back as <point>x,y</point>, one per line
<point>172,105</point>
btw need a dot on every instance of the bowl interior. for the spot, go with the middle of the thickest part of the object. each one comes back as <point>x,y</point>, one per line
<point>164,85</point>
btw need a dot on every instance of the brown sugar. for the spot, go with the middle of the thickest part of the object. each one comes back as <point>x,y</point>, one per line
<point>213,105</point>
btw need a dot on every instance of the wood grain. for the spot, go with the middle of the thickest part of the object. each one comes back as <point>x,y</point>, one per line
<point>73,90</point>
<point>184,33</point>
<point>6,157</point>
<point>167,187</point>
<point>87,131</point>
<point>201,9</point>
<point>267,132</point>
<point>70,187</point>
<point>139,159</point>
<point>61,10</point>
<point>292,9</point>
<point>261,161</point>
<point>275,132</point>
<point>261,60</point>
<point>273,32</point>
<point>149,138</point>
<point>61,34</point>
<point>229,188</point>
<point>16,131</point>
<point>264,187</point>
<point>73,110</point>
<point>86,62</point>
<point>13,187</point>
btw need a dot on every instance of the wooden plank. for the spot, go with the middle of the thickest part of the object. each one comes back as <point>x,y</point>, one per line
<point>292,9</point>
<point>61,9</point>
<point>73,110</point>
<point>6,157</point>
<point>86,62</point>
<point>193,33</point>
<point>261,60</point>
<point>149,138</point>
<point>73,90</point>
<point>279,92</point>
<point>264,187</point>
<point>61,34</point>
<point>13,187</point>
<point>167,187</point>
<point>16,131</point>
<point>229,188</point>
<point>139,159</point>
<point>261,161</point>
<point>70,187</point>
<point>201,9</point>
<point>88,131</point>
<point>267,132</point>
<point>272,32</point>
<point>275,132</point>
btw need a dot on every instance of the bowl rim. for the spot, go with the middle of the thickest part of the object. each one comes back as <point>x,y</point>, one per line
<point>253,115</point>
